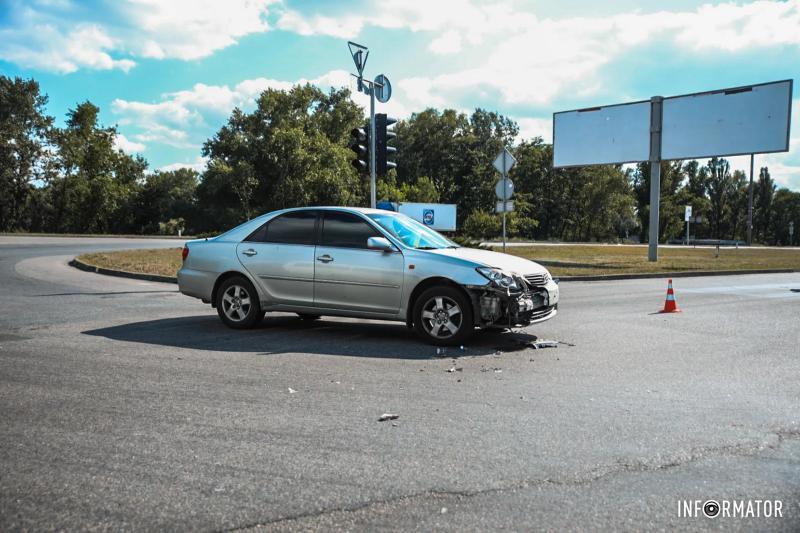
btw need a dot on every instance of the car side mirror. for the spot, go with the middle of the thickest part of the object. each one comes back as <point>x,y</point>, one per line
<point>380,243</point>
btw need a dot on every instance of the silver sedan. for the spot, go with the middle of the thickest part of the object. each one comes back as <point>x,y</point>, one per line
<point>366,263</point>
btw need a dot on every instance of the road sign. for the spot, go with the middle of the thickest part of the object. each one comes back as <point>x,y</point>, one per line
<point>441,217</point>
<point>383,89</point>
<point>509,206</point>
<point>504,189</point>
<point>687,214</point>
<point>504,162</point>
<point>359,54</point>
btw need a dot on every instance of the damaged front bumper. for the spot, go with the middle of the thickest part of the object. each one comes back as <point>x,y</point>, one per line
<point>502,307</point>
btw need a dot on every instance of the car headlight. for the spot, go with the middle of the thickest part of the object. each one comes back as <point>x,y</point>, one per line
<point>498,277</point>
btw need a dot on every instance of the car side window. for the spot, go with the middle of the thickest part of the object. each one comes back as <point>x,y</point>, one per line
<point>346,230</point>
<point>297,227</point>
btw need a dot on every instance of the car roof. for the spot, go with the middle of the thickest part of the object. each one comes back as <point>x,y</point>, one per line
<point>362,210</point>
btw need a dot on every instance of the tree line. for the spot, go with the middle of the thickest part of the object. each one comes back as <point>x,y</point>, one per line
<point>291,150</point>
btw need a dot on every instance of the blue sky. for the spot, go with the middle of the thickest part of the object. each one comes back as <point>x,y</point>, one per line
<point>168,73</point>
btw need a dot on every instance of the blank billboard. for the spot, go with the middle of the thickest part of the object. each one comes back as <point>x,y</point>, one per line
<point>744,120</point>
<point>602,135</point>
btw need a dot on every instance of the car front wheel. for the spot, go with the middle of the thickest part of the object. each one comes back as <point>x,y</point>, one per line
<point>443,316</point>
<point>237,303</point>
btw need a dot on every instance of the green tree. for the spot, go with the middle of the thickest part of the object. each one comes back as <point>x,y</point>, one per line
<point>423,190</point>
<point>290,151</point>
<point>670,214</point>
<point>482,225</point>
<point>762,206</point>
<point>786,208</point>
<point>164,196</point>
<point>94,181</point>
<point>24,136</point>
<point>456,151</point>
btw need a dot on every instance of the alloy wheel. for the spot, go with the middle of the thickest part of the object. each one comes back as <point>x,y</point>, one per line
<point>236,303</point>
<point>441,317</point>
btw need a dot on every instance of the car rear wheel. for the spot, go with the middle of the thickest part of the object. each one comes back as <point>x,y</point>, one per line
<point>237,303</point>
<point>443,316</point>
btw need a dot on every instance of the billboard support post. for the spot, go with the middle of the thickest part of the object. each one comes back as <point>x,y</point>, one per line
<point>656,105</point>
<point>750,205</point>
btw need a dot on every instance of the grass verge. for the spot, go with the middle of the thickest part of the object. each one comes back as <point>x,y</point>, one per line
<point>560,260</point>
<point>161,261</point>
<point>603,260</point>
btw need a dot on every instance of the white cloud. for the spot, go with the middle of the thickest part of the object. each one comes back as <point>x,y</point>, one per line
<point>471,19</point>
<point>126,145</point>
<point>524,59</point>
<point>733,27</point>
<point>199,164</point>
<point>64,37</point>
<point>536,127</point>
<point>190,29</point>
<point>448,43</point>
<point>183,119</point>
<point>46,47</point>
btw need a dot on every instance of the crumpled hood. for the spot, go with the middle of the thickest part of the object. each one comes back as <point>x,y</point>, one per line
<point>509,263</point>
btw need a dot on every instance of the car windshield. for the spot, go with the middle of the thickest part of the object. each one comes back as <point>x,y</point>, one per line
<point>411,232</point>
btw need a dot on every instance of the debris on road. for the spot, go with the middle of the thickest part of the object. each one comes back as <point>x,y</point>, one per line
<point>454,369</point>
<point>388,416</point>
<point>538,345</point>
<point>291,390</point>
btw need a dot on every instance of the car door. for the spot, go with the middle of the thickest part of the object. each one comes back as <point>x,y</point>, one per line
<point>280,255</point>
<point>350,276</point>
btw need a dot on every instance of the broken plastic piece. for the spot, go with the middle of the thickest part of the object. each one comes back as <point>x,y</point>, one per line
<point>536,345</point>
<point>388,416</point>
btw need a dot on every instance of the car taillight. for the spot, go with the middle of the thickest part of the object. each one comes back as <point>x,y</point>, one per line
<point>185,253</point>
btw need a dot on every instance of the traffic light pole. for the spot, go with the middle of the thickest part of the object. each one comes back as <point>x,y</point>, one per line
<point>372,167</point>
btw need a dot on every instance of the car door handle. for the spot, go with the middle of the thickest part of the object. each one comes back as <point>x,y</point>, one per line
<point>250,252</point>
<point>325,258</point>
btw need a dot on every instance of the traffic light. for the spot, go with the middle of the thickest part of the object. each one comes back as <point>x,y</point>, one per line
<point>383,136</point>
<point>359,144</point>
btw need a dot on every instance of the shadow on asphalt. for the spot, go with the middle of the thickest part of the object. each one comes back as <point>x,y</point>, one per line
<point>283,334</point>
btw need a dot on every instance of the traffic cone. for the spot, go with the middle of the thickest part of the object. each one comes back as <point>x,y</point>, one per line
<point>670,305</point>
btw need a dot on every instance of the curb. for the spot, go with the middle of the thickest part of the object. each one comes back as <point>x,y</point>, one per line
<point>690,274</point>
<point>80,265</point>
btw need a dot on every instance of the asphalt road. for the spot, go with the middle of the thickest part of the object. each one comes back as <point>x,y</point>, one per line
<point>126,405</point>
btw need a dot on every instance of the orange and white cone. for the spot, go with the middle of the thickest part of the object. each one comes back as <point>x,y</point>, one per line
<point>670,305</point>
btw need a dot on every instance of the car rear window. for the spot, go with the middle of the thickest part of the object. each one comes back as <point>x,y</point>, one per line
<point>346,230</point>
<point>292,228</point>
